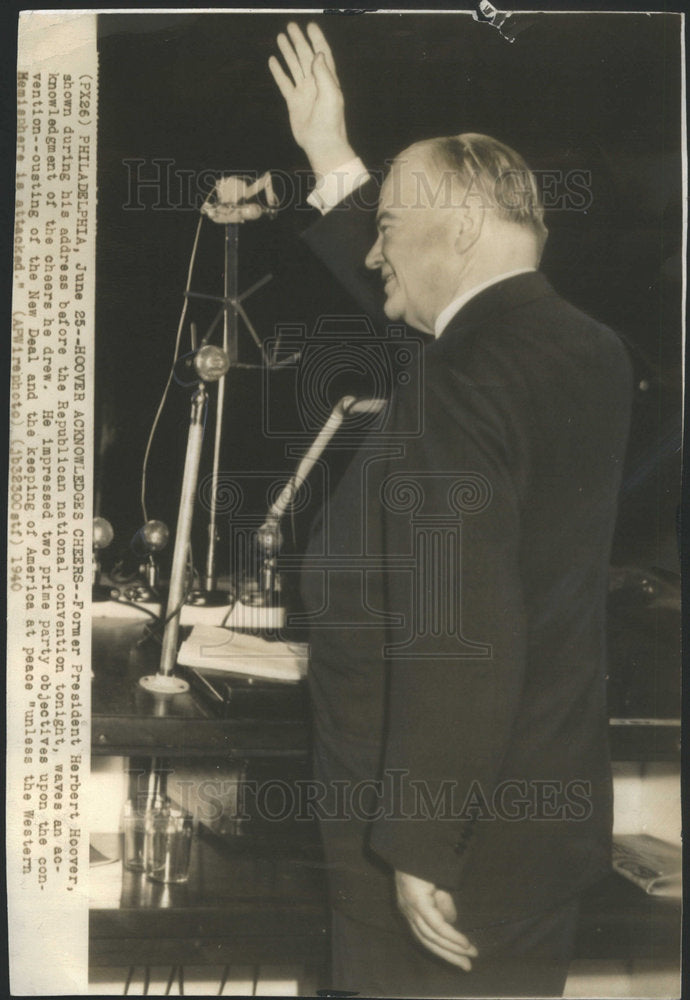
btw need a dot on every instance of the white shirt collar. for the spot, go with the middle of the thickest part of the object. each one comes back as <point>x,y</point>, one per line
<point>451,310</point>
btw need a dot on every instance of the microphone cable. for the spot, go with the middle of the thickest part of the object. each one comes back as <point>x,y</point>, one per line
<point>164,396</point>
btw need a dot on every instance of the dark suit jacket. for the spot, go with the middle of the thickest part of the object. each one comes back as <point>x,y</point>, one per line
<point>500,703</point>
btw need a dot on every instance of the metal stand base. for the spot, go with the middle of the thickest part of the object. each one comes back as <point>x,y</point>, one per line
<point>163,684</point>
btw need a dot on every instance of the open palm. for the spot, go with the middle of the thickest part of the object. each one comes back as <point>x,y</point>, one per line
<point>315,102</point>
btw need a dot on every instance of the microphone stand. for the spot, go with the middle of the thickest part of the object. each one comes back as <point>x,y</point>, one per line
<point>164,682</point>
<point>230,346</point>
<point>211,363</point>
<point>231,205</point>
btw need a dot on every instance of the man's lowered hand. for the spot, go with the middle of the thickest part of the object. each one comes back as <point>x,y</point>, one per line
<point>431,913</point>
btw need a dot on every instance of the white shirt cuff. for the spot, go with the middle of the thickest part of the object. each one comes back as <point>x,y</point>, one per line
<point>331,188</point>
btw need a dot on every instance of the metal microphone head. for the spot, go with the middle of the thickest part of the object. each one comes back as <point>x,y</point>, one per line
<point>154,535</point>
<point>269,536</point>
<point>103,533</point>
<point>211,363</point>
<point>234,199</point>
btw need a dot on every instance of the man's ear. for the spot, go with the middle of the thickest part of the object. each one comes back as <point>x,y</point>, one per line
<point>470,219</point>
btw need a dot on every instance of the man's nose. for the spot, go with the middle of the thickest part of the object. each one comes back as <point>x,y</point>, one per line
<point>374,258</point>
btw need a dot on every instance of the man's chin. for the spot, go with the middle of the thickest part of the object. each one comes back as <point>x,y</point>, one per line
<point>393,309</point>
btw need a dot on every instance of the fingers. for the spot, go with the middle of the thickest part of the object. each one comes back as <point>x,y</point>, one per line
<point>461,961</point>
<point>300,57</point>
<point>432,923</point>
<point>290,57</point>
<point>285,85</point>
<point>418,899</point>
<point>445,931</point>
<point>319,43</point>
<point>429,910</point>
<point>445,903</point>
<point>323,78</point>
<point>304,51</point>
<point>431,939</point>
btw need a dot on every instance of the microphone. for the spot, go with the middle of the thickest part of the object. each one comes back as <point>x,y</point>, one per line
<point>151,538</point>
<point>345,407</point>
<point>103,533</point>
<point>209,363</point>
<point>269,537</point>
<point>259,604</point>
<point>154,535</point>
<point>234,199</point>
<point>102,536</point>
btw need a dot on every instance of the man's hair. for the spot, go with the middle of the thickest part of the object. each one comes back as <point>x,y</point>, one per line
<point>492,170</point>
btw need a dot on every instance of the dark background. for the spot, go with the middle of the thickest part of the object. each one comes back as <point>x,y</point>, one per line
<point>585,92</point>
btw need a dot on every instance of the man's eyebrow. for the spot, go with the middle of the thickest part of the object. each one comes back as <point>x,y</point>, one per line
<point>384,216</point>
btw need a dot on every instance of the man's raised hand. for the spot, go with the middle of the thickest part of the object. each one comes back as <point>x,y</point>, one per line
<point>313,96</point>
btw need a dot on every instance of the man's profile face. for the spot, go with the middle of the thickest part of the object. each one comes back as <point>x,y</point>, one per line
<point>416,246</point>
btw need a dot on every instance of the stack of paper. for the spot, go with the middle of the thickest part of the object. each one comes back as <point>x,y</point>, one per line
<point>212,648</point>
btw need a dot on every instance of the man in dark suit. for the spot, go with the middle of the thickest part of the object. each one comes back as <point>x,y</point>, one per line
<point>462,744</point>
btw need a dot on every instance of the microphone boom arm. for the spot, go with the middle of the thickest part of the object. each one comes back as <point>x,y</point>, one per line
<point>269,535</point>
